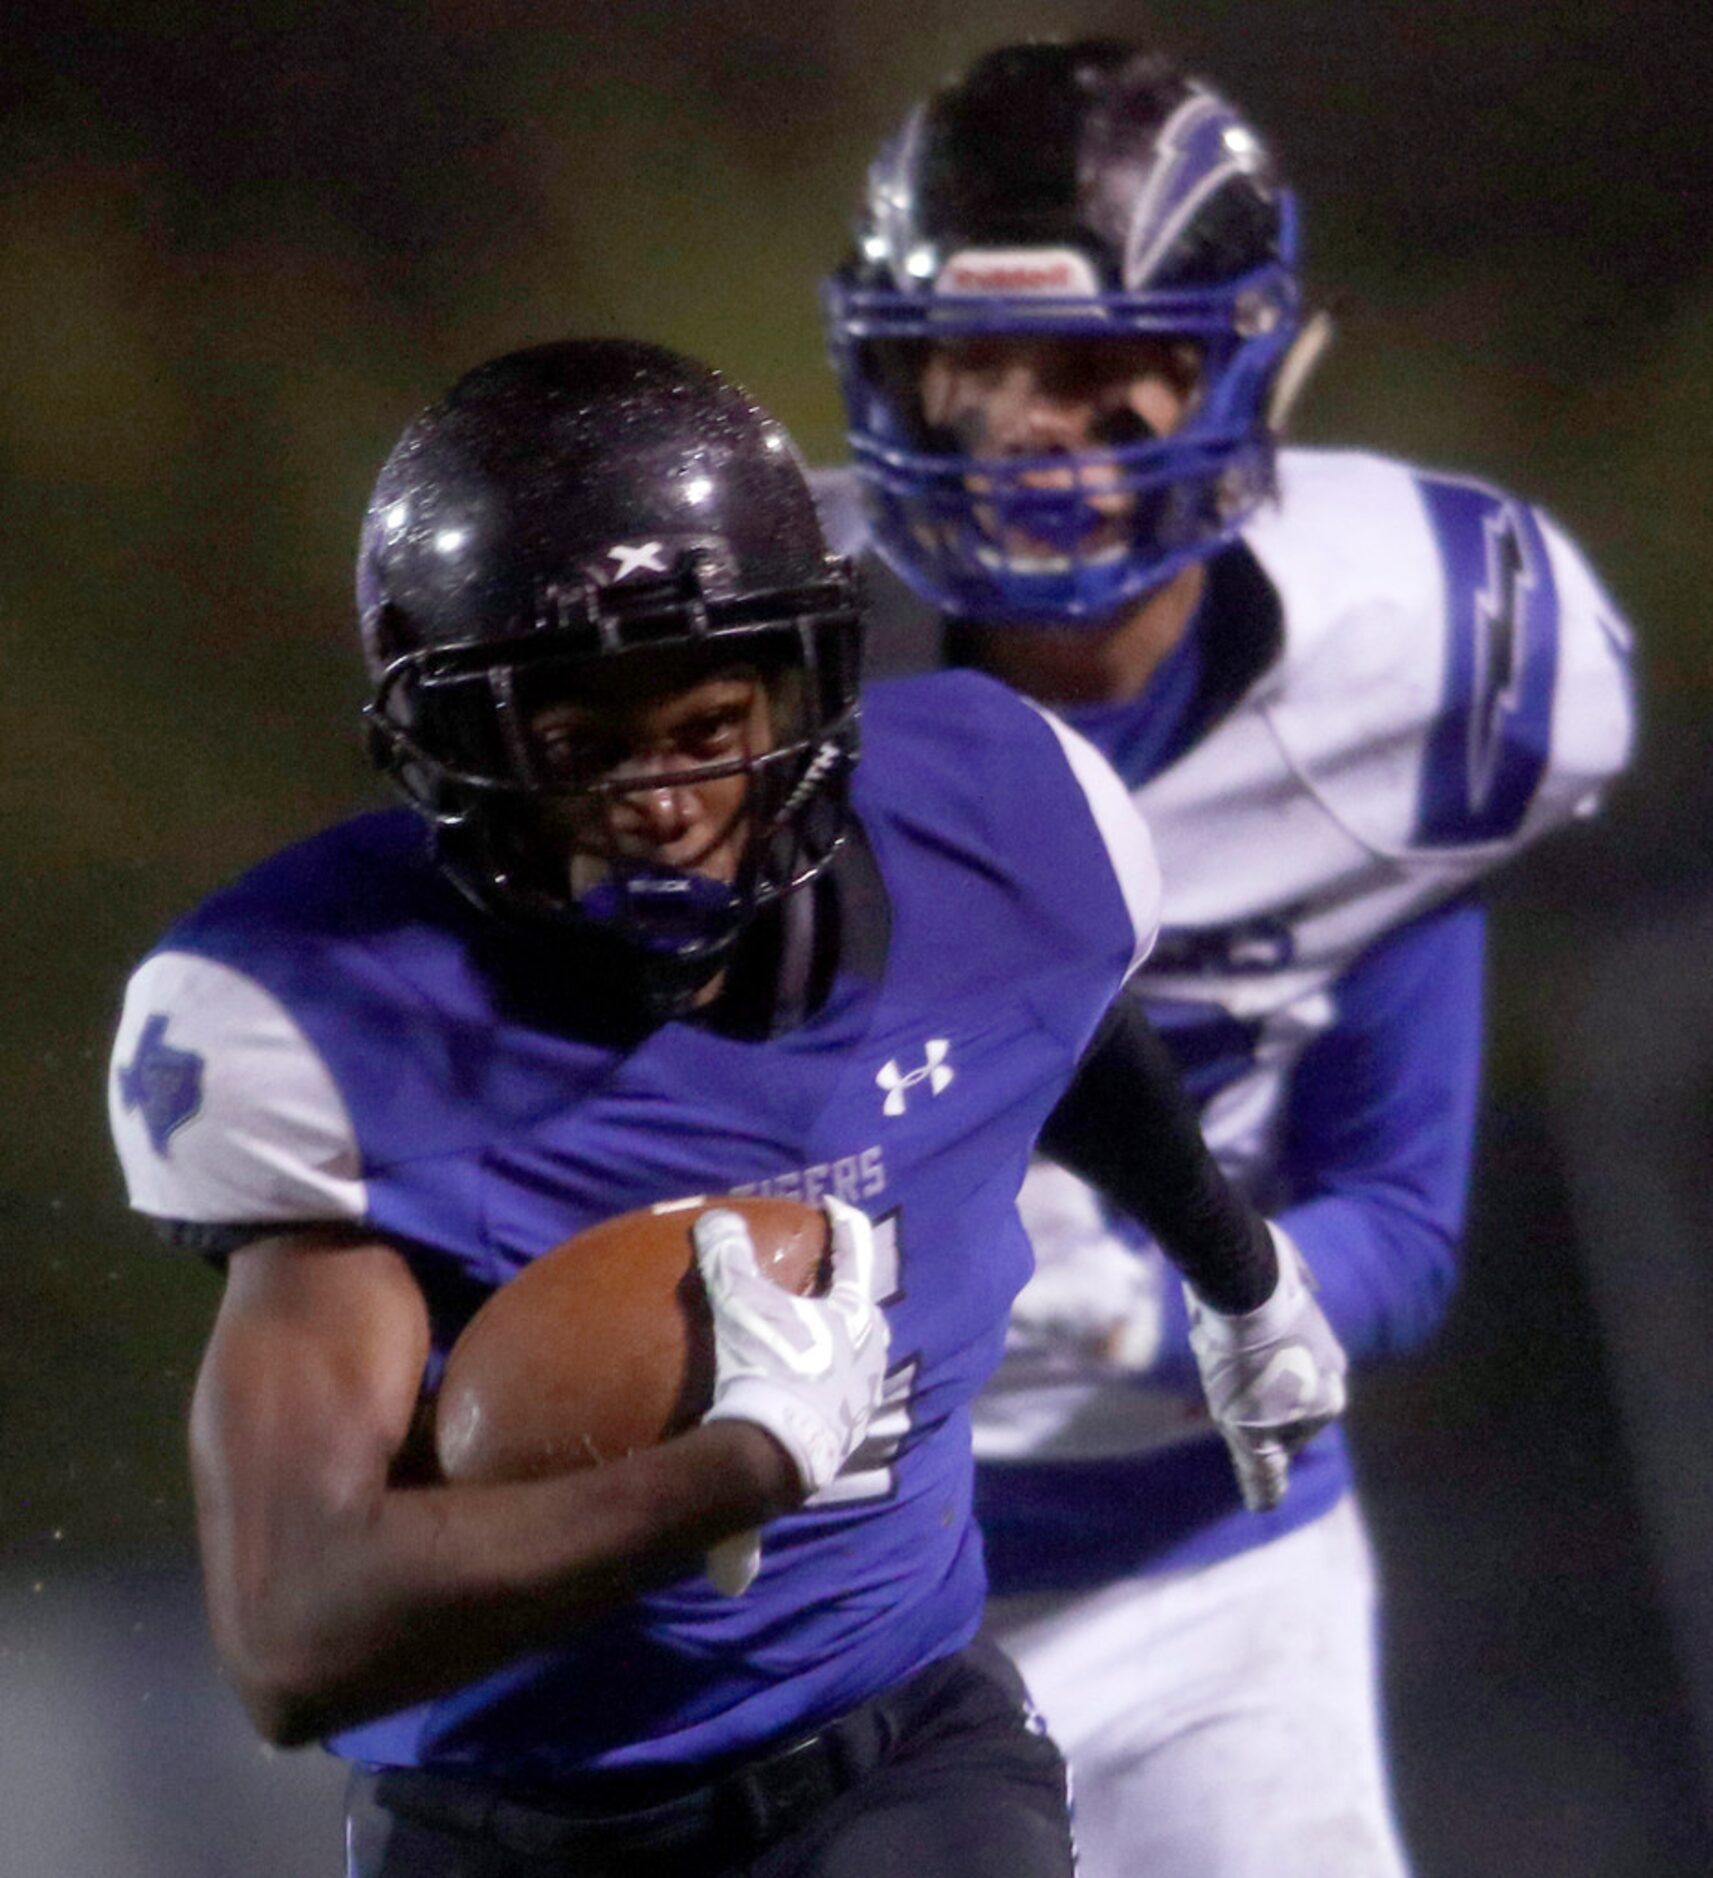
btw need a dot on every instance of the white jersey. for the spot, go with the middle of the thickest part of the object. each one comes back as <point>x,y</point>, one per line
<point>1436,705</point>
<point>1448,682</point>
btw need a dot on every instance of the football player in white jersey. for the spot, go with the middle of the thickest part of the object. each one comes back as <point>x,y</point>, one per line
<point>1342,689</point>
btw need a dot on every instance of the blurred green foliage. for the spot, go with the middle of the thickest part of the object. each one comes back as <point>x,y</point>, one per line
<point>241,246</point>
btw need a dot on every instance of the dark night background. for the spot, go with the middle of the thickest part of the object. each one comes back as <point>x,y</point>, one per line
<point>239,246</point>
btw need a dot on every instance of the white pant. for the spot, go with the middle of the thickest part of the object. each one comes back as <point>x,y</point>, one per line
<point>1221,1722</point>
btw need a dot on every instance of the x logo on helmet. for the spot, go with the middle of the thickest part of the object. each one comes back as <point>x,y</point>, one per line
<point>642,559</point>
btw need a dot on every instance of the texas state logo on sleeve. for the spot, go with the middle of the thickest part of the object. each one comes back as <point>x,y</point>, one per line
<point>161,1084</point>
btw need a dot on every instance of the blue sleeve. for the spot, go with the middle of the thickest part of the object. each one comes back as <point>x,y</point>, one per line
<point>1378,1135</point>
<point>1379,1132</point>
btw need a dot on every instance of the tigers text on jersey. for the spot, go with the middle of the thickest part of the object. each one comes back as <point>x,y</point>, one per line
<point>1427,678</point>
<point>340,1037</point>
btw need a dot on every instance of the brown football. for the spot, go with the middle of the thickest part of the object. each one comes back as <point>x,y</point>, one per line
<point>604,1344</point>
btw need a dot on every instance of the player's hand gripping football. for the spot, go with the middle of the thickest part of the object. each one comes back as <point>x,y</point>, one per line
<point>1273,1376</point>
<point>808,1370</point>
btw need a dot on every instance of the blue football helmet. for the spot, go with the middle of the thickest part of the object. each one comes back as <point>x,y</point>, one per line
<point>1066,192</point>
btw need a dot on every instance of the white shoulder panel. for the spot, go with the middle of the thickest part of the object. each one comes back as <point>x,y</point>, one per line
<point>1128,843</point>
<point>1363,666</point>
<point>222,1110</point>
<point>1346,540</point>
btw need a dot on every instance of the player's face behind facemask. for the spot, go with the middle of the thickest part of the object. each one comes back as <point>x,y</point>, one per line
<point>657,790</point>
<point>615,666</point>
<point>1037,419</point>
<point>1067,198</point>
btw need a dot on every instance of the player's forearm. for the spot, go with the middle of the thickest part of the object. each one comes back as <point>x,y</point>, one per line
<point>351,1615</point>
<point>1379,1132</point>
<point>1126,1126</point>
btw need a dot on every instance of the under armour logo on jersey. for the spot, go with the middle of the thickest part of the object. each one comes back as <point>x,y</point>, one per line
<point>164,1082</point>
<point>645,558</point>
<point>936,1072</point>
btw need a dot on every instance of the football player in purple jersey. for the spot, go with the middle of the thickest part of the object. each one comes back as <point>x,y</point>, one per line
<point>646,929</point>
<point>1341,690</point>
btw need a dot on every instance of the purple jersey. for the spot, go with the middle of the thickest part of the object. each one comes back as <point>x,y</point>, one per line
<point>338,1036</point>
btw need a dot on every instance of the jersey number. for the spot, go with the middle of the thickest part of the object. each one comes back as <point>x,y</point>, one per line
<point>868,1474</point>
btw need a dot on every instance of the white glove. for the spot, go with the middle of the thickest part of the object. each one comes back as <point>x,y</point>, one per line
<point>808,1370</point>
<point>1273,1376</point>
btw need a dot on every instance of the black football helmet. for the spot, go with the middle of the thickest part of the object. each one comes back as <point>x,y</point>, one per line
<point>598,501</point>
<point>1072,192</point>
